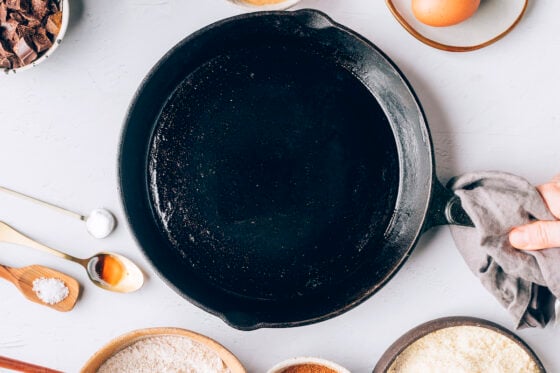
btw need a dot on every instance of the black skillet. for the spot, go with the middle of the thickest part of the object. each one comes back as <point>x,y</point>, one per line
<point>277,169</point>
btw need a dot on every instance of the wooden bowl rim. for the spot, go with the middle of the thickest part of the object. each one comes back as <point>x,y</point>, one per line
<point>121,342</point>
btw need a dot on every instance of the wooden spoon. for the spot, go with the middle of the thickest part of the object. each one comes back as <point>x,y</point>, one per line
<point>22,366</point>
<point>23,279</point>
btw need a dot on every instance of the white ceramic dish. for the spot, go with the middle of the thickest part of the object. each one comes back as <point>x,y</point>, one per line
<point>65,7</point>
<point>283,5</point>
<point>491,22</point>
<point>280,367</point>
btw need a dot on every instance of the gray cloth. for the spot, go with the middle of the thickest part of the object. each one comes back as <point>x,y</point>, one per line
<point>526,283</point>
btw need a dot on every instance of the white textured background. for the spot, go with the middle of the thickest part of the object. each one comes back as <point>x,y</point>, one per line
<point>497,108</point>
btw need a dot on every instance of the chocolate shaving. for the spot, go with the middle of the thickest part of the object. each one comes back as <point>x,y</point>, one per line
<point>33,23</point>
<point>30,17</point>
<point>54,7</point>
<point>25,52</point>
<point>39,8</point>
<point>15,61</point>
<point>18,17</point>
<point>3,52</point>
<point>3,12</point>
<point>41,41</point>
<point>28,29</point>
<point>5,63</point>
<point>9,32</point>
<point>13,4</point>
<point>25,31</point>
<point>54,22</point>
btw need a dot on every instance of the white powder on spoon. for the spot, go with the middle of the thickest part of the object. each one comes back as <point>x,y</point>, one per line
<point>50,290</point>
<point>464,349</point>
<point>100,223</point>
<point>165,354</point>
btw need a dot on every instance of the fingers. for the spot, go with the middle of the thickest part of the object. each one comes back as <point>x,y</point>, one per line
<point>556,179</point>
<point>541,234</point>
<point>551,195</point>
<point>536,236</point>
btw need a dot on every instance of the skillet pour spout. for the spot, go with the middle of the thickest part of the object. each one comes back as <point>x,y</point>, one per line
<point>277,169</point>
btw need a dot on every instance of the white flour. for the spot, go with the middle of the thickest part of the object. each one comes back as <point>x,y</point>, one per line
<point>165,354</point>
<point>100,223</point>
<point>464,349</point>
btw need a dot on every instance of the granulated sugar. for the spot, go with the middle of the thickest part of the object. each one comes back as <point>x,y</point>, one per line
<point>464,349</point>
<point>165,354</point>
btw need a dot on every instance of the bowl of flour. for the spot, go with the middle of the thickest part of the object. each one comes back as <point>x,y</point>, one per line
<point>163,350</point>
<point>459,345</point>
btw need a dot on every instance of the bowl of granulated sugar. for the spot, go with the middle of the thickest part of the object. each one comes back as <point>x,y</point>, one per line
<point>163,350</point>
<point>459,345</point>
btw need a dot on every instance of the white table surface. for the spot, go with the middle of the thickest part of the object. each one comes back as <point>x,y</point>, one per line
<point>497,108</point>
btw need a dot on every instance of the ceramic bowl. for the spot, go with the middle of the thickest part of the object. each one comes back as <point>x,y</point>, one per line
<point>401,344</point>
<point>280,367</point>
<point>282,5</point>
<point>492,21</point>
<point>123,341</point>
<point>65,6</point>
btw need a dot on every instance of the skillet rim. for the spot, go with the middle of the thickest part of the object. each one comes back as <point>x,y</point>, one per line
<point>316,19</point>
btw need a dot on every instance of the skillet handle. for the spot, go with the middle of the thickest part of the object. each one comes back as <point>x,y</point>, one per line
<point>445,208</point>
<point>313,19</point>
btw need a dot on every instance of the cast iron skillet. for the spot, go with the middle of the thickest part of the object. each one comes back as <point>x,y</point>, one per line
<point>277,169</point>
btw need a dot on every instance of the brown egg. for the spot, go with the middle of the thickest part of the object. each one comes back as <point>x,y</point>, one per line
<point>443,12</point>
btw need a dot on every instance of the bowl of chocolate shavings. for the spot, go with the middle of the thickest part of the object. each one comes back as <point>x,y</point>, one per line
<point>30,31</point>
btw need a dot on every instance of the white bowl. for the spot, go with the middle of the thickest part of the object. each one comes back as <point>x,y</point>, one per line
<point>283,5</point>
<point>65,7</point>
<point>491,22</point>
<point>278,368</point>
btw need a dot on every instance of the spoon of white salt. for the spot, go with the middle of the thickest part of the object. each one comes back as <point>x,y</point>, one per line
<point>99,223</point>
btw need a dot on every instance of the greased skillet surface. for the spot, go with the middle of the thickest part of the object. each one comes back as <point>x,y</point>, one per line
<point>273,171</point>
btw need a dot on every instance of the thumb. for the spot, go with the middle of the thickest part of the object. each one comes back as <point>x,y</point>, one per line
<point>536,236</point>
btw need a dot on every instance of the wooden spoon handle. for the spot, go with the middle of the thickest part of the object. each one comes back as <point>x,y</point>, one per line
<point>6,274</point>
<point>21,366</point>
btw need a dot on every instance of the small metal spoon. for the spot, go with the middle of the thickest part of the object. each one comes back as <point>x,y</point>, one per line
<point>99,223</point>
<point>107,270</point>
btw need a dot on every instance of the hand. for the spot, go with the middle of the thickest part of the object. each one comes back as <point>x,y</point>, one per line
<point>541,234</point>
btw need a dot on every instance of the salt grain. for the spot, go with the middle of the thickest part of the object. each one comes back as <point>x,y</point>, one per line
<point>50,290</point>
<point>165,354</point>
